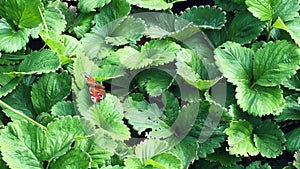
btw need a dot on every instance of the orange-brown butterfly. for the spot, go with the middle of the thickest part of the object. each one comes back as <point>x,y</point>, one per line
<point>96,89</point>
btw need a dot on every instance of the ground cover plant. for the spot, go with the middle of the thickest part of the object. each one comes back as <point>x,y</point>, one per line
<point>168,84</point>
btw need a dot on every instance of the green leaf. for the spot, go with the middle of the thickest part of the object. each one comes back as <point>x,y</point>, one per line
<point>296,162</point>
<point>293,140</point>
<point>244,28</point>
<point>98,154</point>
<point>61,134</point>
<point>75,159</point>
<point>63,45</point>
<point>245,139</point>
<point>259,100</point>
<point>163,24</point>
<point>133,163</point>
<point>108,115</point>
<point>215,136</point>
<point>155,81</point>
<point>294,82</point>
<point>228,5</point>
<point>55,20</point>
<point>63,108</point>
<point>186,150</point>
<point>291,109</point>
<point>152,5</point>
<point>90,5</point>
<point>165,161</point>
<point>119,32</point>
<point>20,100</point>
<point>114,11</point>
<point>22,145</point>
<point>69,12</point>
<point>83,65</point>
<point>271,10</point>
<point>235,62</point>
<point>7,88</point>
<point>82,24</point>
<point>50,89</point>
<point>293,29</point>
<point>26,13</point>
<point>129,30</point>
<point>39,62</point>
<point>113,167</point>
<point>155,52</point>
<point>142,115</point>
<point>196,70</point>
<point>280,64</point>
<point>171,107</point>
<point>239,138</point>
<point>205,17</point>
<point>257,164</point>
<point>12,40</point>
<point>223,157</point>
<point>149,148</point>
<point>109,71</point>
<point>268,142</point>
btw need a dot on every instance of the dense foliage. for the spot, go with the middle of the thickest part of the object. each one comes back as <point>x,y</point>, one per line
<point>209,86</point>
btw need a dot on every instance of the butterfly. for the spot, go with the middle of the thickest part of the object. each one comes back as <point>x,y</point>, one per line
<point>96,89</point>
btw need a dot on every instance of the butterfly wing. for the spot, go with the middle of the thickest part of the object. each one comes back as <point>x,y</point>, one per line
<point>96,89</point>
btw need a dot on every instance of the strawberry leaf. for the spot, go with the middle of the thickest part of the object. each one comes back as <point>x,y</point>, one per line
<point>9,87</point>
<point>235,62</point>
<point>90,5</point>
<point>296,162</point>
<point>142,115</point>
<point>114,11</point>
<point>292,29</point>
<point>271,10</point>
<point>258,100</point>
<point>250,140</point>
<point>12,40</point>
<point>152,5</point>
<point>155,52</point>
<point>244,28</point>
<point>27,139</point>
<point>74,158</point>
<point>257,164</point>
<point>44,61</point>
<point>196,70</point>
<point>20,100</point>
<point>268,142</point>
<point>186,150</point>
<point>55,19</point>
<point>63,108</point>
<point>205,17</point>
<point>239,138</point>
<point>294,82</point>
<point>118,32</point>
<point>98,154</point>
<point>50,89</point>
<point>282,62</point>
<point>291,109</point>
<point>293,140</point>
<point>108,115</point>
<point>26,13</point>
<point>165,160</point>
<point>68,129</point>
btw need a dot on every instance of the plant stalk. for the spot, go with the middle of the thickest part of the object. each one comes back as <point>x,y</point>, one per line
<point>21,114</point>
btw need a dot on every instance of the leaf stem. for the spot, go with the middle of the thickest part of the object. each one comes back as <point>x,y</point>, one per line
<point>172,81</point>
<point>21,114</point>
<point>44,21</point>
<point>270,27</point>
